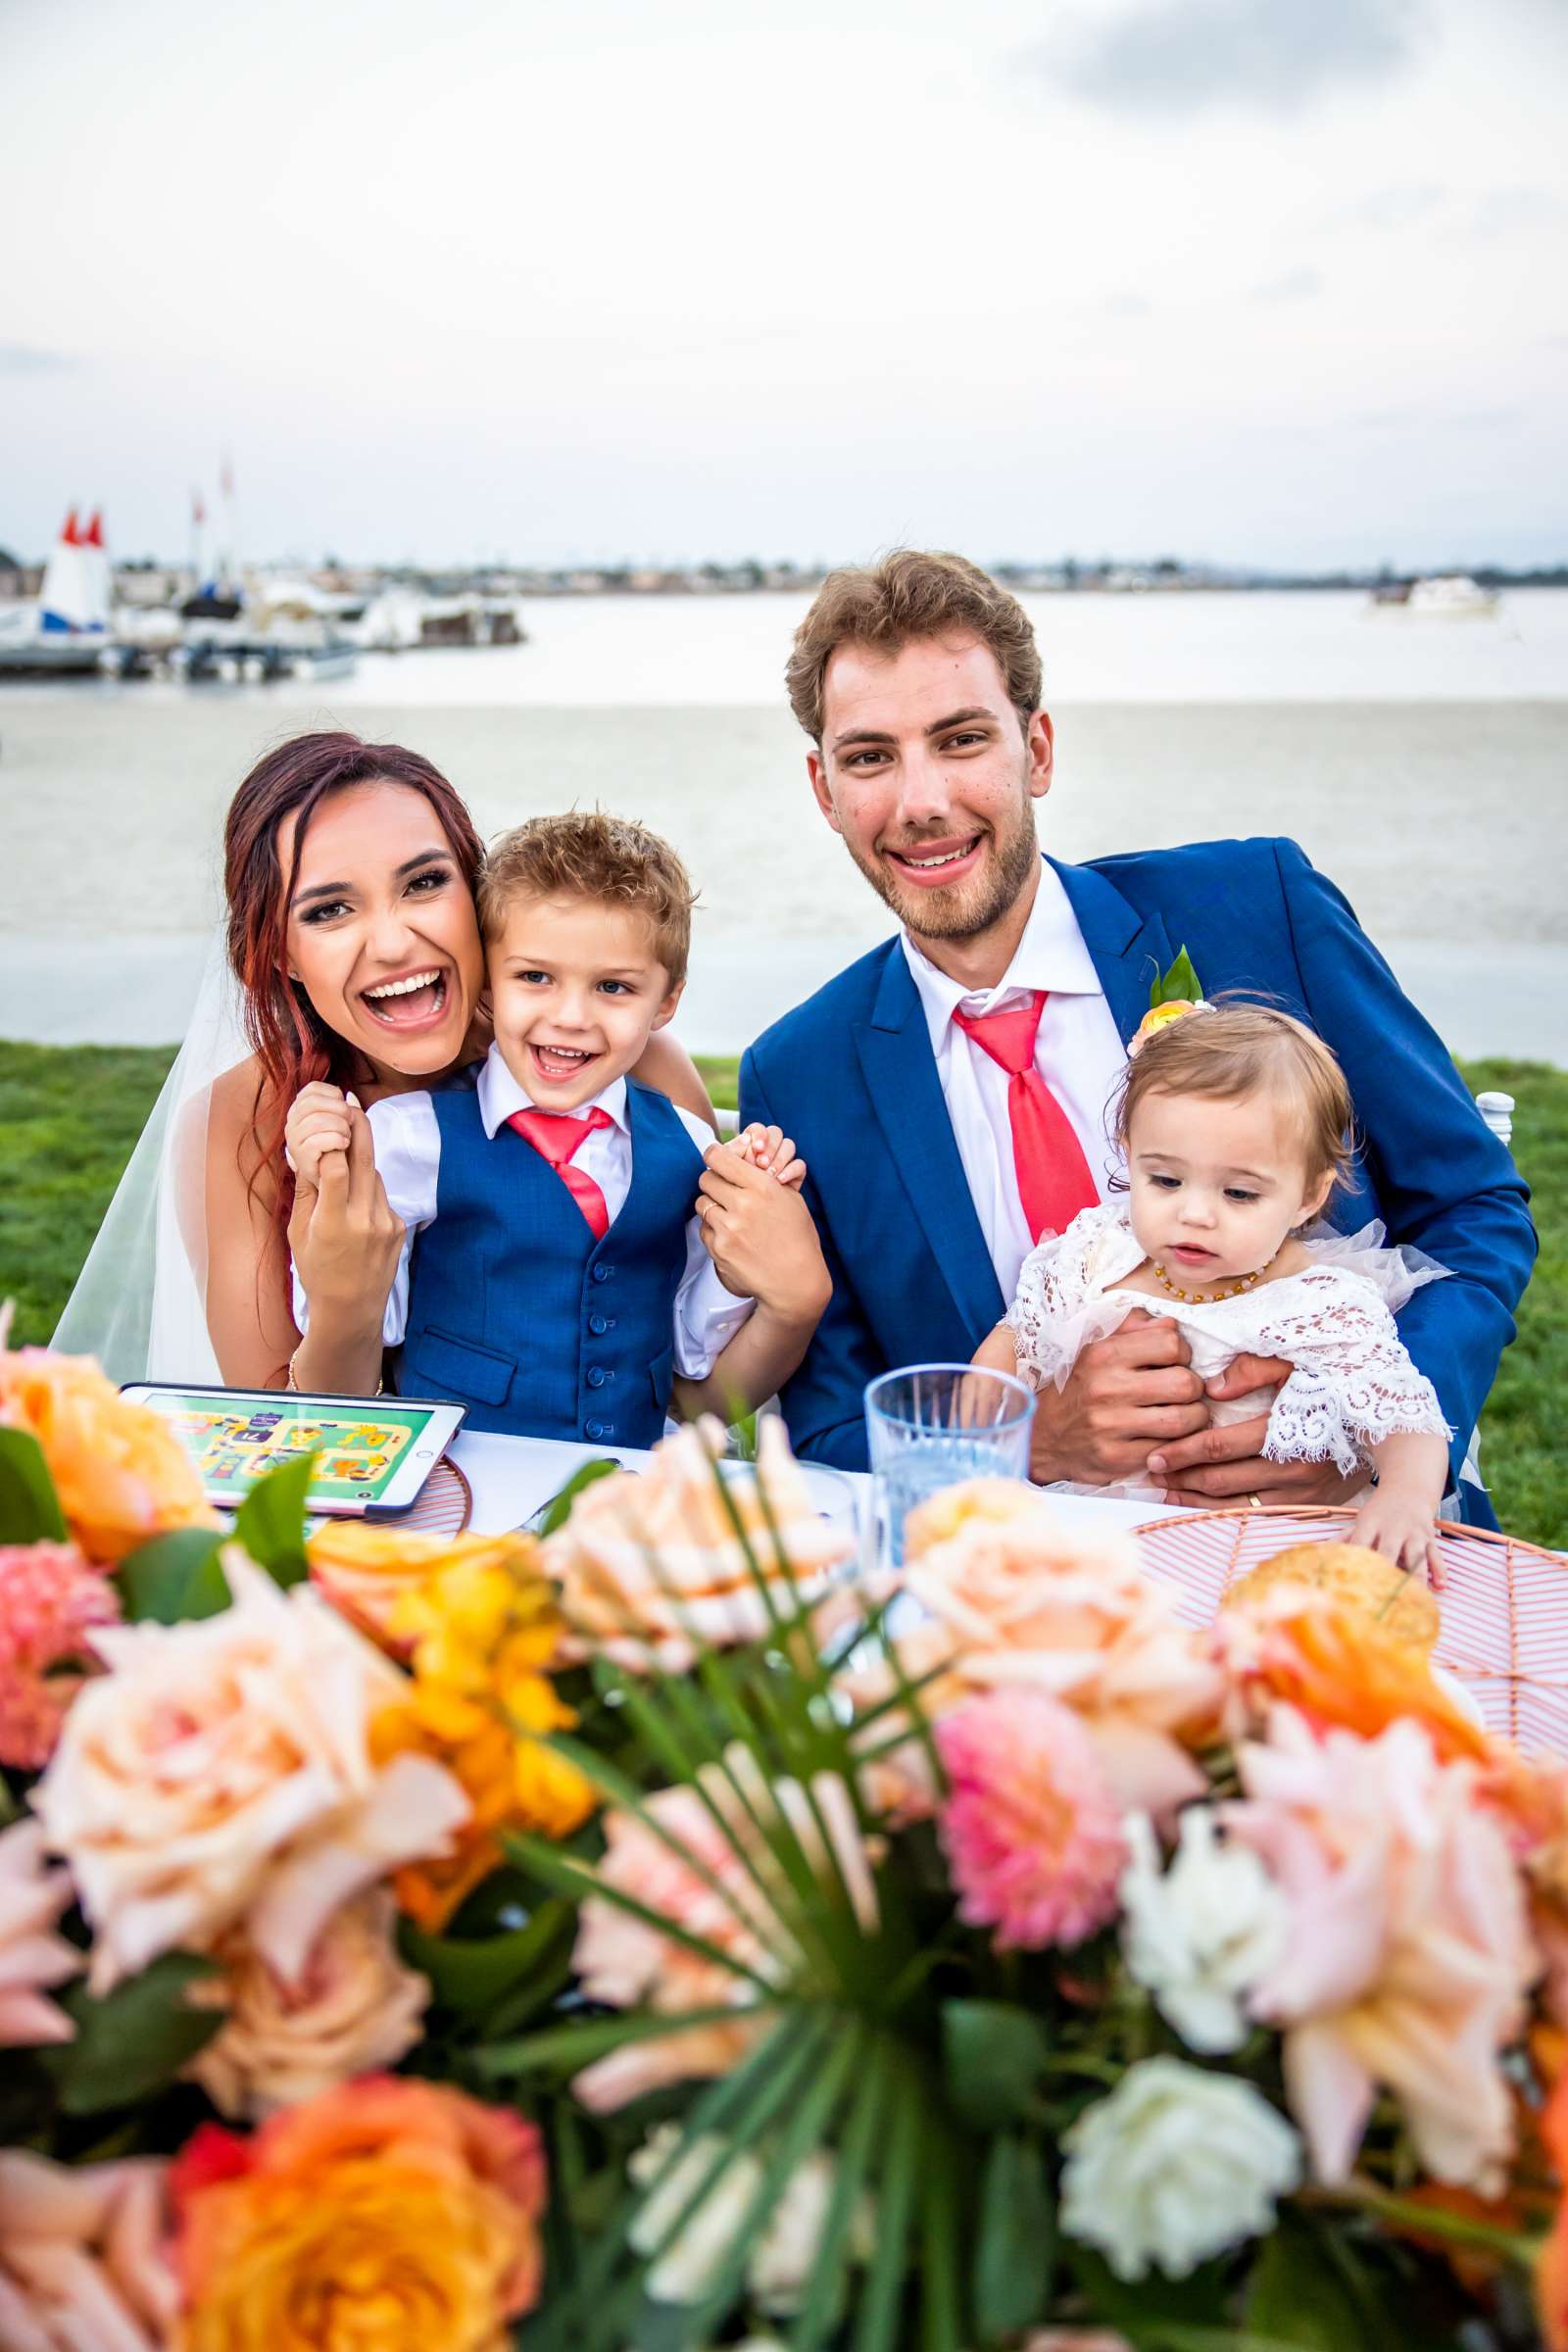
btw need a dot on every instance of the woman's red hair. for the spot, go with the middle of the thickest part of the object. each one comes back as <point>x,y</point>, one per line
<point>292,1043</point>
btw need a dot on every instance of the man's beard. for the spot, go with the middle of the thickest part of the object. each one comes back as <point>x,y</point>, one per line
<point>968,907</point>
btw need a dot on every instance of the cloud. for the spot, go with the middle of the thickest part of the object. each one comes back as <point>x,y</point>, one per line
<point>1174,56</point>
<point>26,358</point>
<point>1300,285</point>
<point>1502,210</point>
<point>1125,306</point>
<point>1387,208</point>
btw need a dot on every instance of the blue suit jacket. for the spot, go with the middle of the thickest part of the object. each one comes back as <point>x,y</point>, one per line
<point>849,1074</point>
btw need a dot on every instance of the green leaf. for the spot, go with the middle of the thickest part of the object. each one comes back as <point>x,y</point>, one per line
<point>473,1977</point>
<point>1178,986</point>
<point>30,1508</point>
<point>175,1577</point>
<point>558,1511</point>
<point>271,1521</point>
<point>993,2056</point>
<point>136,2039</point>
<point>1014,2255</point>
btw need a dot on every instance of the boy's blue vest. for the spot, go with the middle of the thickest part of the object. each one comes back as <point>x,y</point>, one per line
<point>516,1311</point>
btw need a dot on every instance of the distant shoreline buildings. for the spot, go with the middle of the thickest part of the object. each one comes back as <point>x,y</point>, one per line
<point>148,584</point>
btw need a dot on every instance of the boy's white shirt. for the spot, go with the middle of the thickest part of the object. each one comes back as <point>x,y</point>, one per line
<point>408,1158</point>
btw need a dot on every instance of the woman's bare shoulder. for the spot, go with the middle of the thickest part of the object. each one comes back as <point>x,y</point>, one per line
<point>232,1153</point>
<point>666,1066</point>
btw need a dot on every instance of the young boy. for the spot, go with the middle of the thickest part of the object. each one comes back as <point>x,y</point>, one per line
<point>562,1276</point>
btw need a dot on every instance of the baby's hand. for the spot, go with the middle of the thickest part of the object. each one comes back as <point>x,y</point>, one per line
<point>1403,1532</point>
<point>770,1149</point>
<point>317,1124</point>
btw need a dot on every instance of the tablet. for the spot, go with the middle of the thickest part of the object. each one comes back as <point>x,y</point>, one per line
<point>372,1454</point>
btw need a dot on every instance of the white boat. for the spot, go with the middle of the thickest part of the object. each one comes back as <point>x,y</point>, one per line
<point>67,631</point>
<point>1444,596</point>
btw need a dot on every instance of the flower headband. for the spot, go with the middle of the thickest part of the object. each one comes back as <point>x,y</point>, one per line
<point>1172,996</point>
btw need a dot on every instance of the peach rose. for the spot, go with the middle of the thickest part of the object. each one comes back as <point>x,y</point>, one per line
<point>220,1774</point>
<point>1014,1598</point>
<point>1409,1955</point>
<point>398,2216</point>
<point>719,1883</point>
<point>82,2261</point>
<point>368,1573</point>
<point>355,2011</point>
<point>651,1565</point>
<point>32,1958</point>
<point>119,1469</point>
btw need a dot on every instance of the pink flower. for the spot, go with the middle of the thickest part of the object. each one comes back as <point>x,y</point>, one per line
<point>706,1882</point>
<point>1016,1599</point>
<point>1410,1953</point>
<point>50,1600</point>
<point>82,2256</point>
<point>1030,1828</point>
<point>32,1958</point>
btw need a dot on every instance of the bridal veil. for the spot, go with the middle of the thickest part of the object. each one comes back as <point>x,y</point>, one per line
<point>139,1304</point>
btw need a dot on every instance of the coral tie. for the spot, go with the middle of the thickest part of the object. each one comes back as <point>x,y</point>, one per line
<point>1054,1178</point>
<point>556,1137</point>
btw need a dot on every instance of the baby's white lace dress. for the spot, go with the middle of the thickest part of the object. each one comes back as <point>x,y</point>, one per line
<point>1352,1385</point>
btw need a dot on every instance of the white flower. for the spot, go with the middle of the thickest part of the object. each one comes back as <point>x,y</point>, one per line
<point>1173,2167</point>
<point>688,2268</point>
<point>1200,1937</point>
<point>780,2261</point>
<point>781,2266</point>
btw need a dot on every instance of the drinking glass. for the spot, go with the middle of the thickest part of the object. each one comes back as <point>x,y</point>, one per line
<point>932,1425</point>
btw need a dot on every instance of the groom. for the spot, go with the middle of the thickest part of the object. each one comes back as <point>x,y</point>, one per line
<point>918,683</point>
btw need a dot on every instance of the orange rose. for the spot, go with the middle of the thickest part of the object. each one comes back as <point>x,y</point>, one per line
<point>400,2214</point>
<point>368,1572</point>
<point>117,1468</point>
<point>1337,1667</point>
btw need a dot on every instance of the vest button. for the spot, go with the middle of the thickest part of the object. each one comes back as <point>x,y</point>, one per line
<point>596,1376</point>
<point>599,1325</point>
<point>596,1429</point>
<point>601,1273</point>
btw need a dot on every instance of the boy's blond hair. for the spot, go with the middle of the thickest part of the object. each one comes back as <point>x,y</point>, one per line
<point>1227,1051</point>
<point>586,854</point>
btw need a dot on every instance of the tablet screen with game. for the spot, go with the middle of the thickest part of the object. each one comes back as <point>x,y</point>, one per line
<point>372,1454</point>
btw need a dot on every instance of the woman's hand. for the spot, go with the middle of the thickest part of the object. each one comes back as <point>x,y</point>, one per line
<point>318,1123</point>
<point>761,1237</point>
<point>345,1242</point>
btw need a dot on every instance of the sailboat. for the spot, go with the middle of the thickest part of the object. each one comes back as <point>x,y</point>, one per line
<point>67,631</point>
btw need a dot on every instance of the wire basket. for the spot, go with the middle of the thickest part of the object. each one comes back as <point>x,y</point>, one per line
<point>444,1505</point>
<point>1504,1603</point>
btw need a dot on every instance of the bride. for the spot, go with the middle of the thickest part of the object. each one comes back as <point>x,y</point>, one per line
<point>352,954</point>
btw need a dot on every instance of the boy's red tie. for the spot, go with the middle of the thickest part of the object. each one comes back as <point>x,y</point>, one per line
<point>1054,1178</point>
<point>556,1137</point>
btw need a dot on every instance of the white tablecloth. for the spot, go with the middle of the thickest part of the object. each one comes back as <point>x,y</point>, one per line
<point>510,1477</point>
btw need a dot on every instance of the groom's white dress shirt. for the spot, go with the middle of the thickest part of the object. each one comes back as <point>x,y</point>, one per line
<point>408,1159</point>
<point>1078,1052</point>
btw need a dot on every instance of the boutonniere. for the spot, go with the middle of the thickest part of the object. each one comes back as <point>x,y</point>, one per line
<point>1173,995</point>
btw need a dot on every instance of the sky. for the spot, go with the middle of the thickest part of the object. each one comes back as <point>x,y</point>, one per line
<point>1279,282</point>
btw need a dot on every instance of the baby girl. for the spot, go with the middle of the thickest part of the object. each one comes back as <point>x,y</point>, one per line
<point>1234,1122</point>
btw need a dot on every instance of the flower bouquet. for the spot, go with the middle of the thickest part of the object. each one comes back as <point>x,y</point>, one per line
<point>650,1936</point>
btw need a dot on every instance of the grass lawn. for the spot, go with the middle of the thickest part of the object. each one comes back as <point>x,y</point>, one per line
<point>69,1117</point>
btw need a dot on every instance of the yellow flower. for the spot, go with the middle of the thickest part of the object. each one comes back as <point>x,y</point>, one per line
<point>1158,1018</point>
<point>484,1635</point>
<point>369,1572</point>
